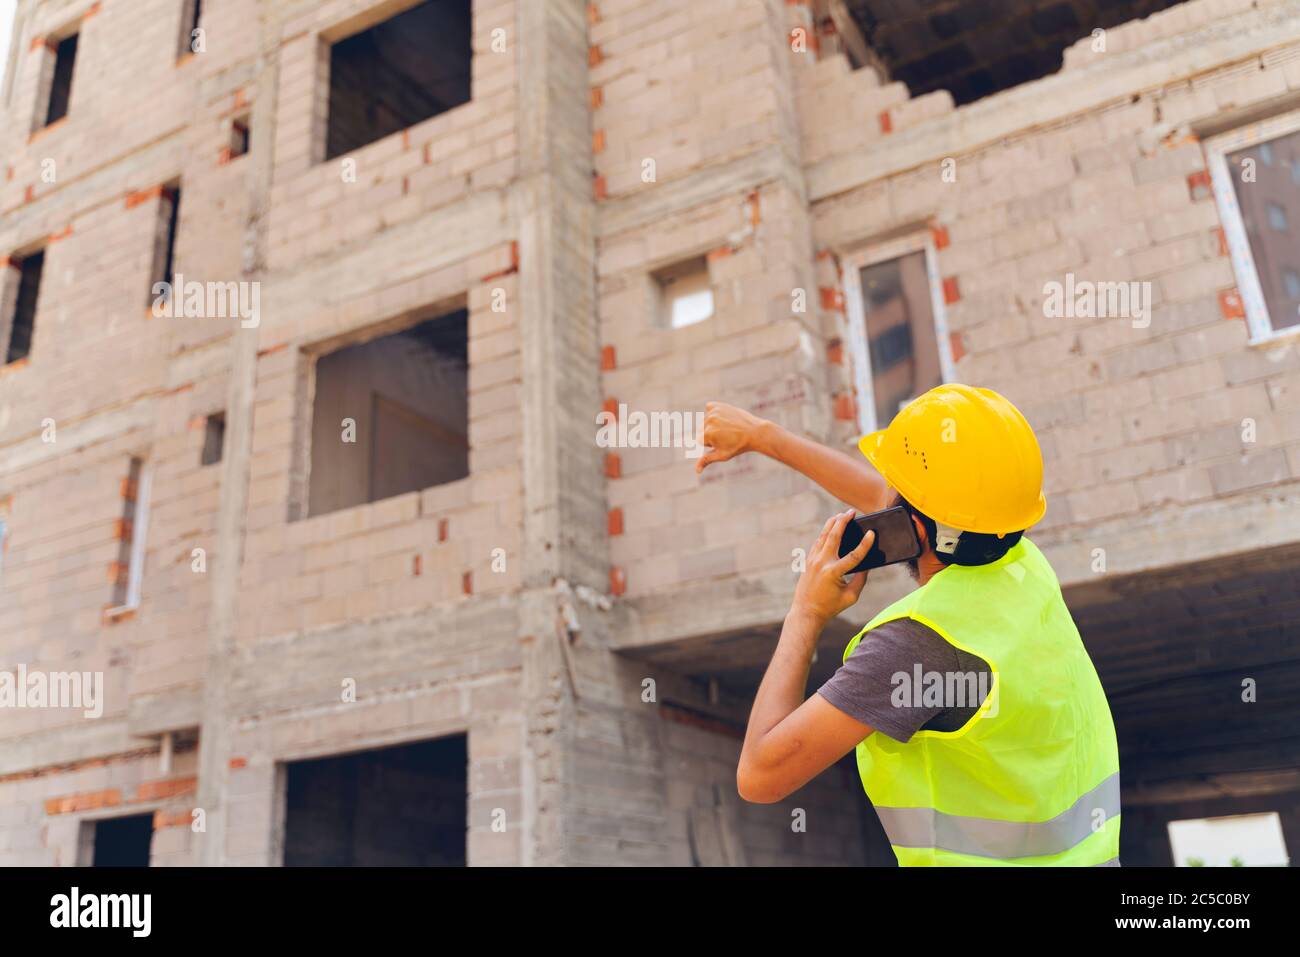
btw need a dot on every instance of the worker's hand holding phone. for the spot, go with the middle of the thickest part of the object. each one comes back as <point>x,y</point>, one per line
<point>894,539</point>
<point>828,584</point>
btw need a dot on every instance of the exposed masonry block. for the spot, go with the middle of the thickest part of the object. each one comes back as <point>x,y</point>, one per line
<point>845,407</point>
<point>917,111</point>
<point>1230,304</point>
<point>154,790</point>
<point>140,197</point>
<point>1198,184</point>
<point>957,346</point>
<point>832,298</point>
<point>162,820</point>
<point>500,262</point>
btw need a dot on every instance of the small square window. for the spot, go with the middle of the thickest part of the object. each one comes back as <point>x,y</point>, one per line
<point>164,263</point>
<point>191,18</point>
<point>685,294</point>
<point>214,439</point>
<point>1276,218</point>
<point>239,137</point>
<point>22,321</point>
<point>65,63</point>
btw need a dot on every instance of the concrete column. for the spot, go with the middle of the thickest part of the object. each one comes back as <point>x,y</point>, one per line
<point>564,495</point>
<point>214,732</point>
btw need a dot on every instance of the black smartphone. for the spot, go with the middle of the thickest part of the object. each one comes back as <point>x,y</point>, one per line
<point>896,539</point>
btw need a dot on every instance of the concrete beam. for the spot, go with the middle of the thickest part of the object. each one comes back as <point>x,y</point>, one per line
<point>739,177</point>
<point>405,651</point>
<point>176,709</point>
<point>735,609</point>
<point>1163,538</point>
<point>402,253</point>
<point>1214,787</point>
<point>81,740</point>
<point>139,415</point>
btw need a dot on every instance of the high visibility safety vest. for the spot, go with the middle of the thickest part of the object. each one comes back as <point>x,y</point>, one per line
<point>1033,777</point>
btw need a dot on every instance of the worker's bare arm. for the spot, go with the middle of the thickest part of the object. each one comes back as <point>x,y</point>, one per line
<point>802,746</point>
<point>730,431</point>
<point>790,741</point>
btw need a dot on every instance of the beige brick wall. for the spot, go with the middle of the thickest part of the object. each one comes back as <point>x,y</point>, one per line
<point>105,379</point>
<point>778,167</point>
<point>664,72</point>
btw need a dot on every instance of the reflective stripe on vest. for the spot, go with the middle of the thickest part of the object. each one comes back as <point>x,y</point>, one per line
<point>984,837</point>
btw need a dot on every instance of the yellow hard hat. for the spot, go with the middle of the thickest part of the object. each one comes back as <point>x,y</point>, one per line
<point>965,457</point>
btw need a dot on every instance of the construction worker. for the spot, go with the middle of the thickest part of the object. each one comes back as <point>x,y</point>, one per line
<point>1026,773</point>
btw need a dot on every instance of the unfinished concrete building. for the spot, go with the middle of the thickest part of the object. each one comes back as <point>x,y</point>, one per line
<point>308,311</point>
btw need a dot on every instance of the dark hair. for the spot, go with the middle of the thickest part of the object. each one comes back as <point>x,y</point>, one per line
<point>973,548</point>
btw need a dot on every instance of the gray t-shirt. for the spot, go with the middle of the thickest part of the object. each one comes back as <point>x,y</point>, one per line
<point>874,685</point>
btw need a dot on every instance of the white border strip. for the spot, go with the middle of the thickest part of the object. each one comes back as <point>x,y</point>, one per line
<point>856,334</point>
<point>1217,149</point>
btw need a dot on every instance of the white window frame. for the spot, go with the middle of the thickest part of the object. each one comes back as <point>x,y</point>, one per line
<point>1217,148</point>
<point>665,297</point>
<point>139,534</point>
<point>856,335</point>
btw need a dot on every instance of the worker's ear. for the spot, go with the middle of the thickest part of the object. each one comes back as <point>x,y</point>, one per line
<point>920,533</point>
